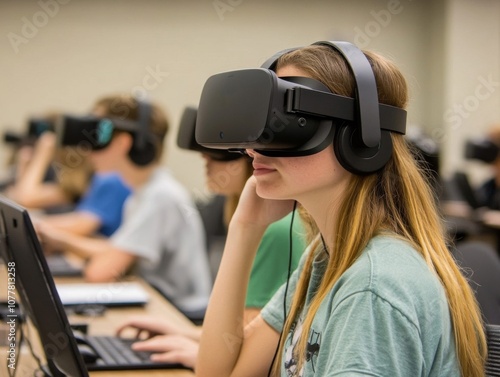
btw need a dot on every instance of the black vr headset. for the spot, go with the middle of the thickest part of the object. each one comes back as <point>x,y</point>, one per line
<point>186,138</point>
<point>482,149</point>
<point>299,116</point>
<point>96,133</point>
<point>36,127</point>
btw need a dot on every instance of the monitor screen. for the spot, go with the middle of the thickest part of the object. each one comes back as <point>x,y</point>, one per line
<point>37,294</point>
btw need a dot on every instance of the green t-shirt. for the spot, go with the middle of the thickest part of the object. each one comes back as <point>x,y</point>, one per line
<point>386,316</point>
<point>270,267</point>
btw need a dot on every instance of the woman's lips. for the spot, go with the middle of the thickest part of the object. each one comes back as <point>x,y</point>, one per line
<point>260,169</point>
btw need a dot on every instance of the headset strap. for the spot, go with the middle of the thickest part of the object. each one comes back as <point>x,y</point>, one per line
<point>366,90</point>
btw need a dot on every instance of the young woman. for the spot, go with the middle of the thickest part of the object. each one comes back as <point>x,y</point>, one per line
<point>377,293</point>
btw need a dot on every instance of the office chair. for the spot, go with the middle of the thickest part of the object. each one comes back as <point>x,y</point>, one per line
<point>493,361</point>
<point>481,266</point>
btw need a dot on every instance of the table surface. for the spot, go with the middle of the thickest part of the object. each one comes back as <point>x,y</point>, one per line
<point>100,325</point>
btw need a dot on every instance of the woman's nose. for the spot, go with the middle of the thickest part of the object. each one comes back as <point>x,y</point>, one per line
<point>250,152</point>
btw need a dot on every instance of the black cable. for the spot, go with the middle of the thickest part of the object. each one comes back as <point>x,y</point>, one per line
<point>290,253</point>
<point>324,245</point>
<point>32,351</point>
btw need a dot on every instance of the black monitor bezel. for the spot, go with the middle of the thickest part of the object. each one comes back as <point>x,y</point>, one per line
<point>38,295</point>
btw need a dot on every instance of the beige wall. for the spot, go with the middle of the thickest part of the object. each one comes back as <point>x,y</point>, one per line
<point>83,49</point>
<point>471,101</point>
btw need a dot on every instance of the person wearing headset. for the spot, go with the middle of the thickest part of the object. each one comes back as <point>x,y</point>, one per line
<point>61,184</point>
<point>378,292</point>
<point>226,174</point>
<point>47,177</point>
<point>488,192</point>
<point>161,237</point>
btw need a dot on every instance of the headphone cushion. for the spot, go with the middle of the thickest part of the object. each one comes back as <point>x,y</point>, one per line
<point>143,154</point>
<point>355,157</point>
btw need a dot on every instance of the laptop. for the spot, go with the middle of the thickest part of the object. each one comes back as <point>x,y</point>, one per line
<point>66,352</point>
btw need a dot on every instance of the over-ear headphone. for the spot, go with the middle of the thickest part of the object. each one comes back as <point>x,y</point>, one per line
<point>361,146</point>
<point>299,116</point>
<point>144,145</point>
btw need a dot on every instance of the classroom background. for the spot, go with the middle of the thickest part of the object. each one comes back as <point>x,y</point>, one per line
<point>62,55</point>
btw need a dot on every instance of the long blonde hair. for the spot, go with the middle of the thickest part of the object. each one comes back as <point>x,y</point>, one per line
<point>397,200</point>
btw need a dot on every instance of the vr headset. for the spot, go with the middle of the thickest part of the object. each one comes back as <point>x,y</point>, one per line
<point>186,138</point>
<point>97,133</point>
<point>482,149</point>
<point>36,127</point>
<point>89,130</point>
<point>299,116</point>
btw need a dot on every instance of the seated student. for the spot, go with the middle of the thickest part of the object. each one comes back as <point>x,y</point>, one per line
<point>226,174</point>
<point>68,180</point>
<point>44,171</point>
<point>99,208</point>
<point>21,145</point>
<point>95,207</point>
<point>378,292</point>
<point>161,237</point>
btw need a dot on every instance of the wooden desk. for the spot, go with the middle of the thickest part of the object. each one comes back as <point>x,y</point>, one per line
<point>103,325</point>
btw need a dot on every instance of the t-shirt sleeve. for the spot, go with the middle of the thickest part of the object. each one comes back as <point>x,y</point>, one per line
<point>105,199</point>
<point>143,231</point>
<point>385,343</point>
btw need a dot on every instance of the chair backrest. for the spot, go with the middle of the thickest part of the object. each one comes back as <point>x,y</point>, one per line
<point>493,362</point>
<point>481,266</point>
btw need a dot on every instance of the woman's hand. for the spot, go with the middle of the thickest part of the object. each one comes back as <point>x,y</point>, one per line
<point>149,326</point>
<point>170,349</point>
<point>256,211</point>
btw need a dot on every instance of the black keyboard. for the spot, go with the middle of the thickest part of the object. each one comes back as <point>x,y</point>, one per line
<point>115,353</point>
<point>60,266</point>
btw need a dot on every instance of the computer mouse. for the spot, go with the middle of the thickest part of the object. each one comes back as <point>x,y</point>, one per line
<point>88,354</point>
<point>79,337</point>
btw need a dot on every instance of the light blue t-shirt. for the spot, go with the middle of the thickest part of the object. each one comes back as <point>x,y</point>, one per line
<point>386,316</point>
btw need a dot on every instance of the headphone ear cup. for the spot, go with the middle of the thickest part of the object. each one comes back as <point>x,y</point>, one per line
<point>357,158</point>
<point>143,154</point>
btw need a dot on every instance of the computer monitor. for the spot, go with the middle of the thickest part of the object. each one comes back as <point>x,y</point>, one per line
<point>38,297</point>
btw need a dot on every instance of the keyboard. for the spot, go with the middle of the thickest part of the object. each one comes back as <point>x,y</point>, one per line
<point>115,353</point>
<point>108,294</point>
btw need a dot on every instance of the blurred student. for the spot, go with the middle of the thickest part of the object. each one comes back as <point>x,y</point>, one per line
<point>46,176</point>
<point>161,237</point>
<point>488,192</point>
<point>61,181</point>
<point>226,174</point>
